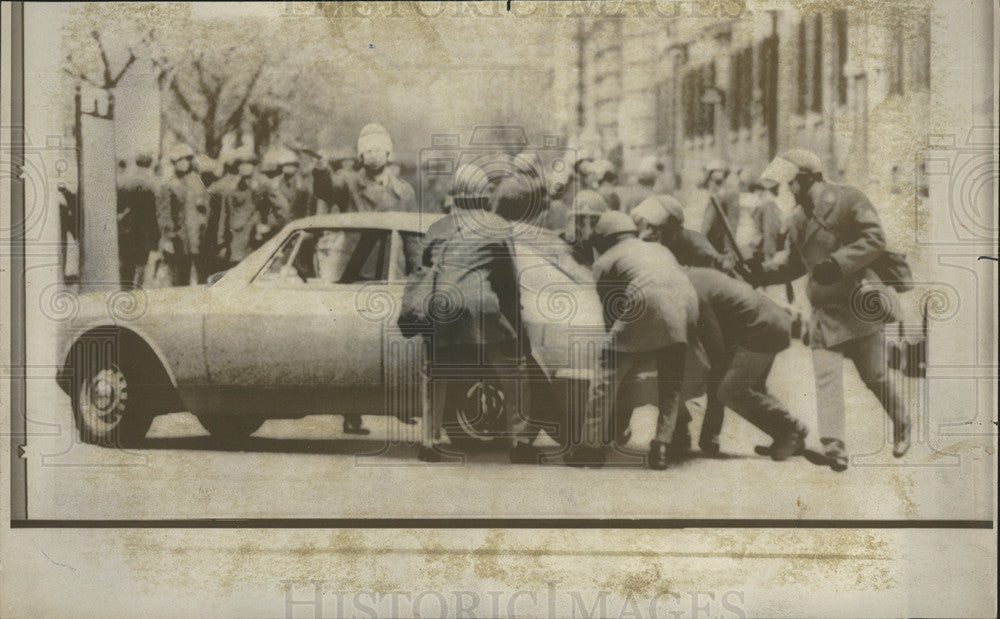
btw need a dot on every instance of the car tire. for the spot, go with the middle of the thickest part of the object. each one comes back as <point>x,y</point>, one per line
<point>475,414</point>
<point>109,406</point>
<point>231,427</point>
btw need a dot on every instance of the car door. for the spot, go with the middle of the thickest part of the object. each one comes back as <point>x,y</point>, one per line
<point>293,341</point>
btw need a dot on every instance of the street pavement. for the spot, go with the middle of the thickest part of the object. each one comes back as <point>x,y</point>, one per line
<point>307,468</point>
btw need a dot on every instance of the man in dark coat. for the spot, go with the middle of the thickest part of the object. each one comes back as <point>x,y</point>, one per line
<point>183,215</point>
<point>475,313</point>
<point>372,188</point>
<point>661,218</point>
<point>742,331</point>
<point>834,236</point>
<point>650,310</point>
<point>138,232</point>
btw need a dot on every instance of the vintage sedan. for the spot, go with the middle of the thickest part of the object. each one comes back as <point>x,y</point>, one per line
<point>306,325</point>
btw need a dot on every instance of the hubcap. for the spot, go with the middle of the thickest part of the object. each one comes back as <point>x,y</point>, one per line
<point>102,400</point>
<point>480,416</point>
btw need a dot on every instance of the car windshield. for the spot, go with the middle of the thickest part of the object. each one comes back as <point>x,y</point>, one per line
<point>323,256</point>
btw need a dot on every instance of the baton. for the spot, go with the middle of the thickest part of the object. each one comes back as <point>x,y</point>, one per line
<point>732,237</point>
<point>729,230</point>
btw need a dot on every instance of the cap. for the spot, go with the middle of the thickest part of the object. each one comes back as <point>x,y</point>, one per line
<point>787,165</point>
<point>614,222</point>
<point>374,137</point>
<point>276,157</point>
<point>588,202</point>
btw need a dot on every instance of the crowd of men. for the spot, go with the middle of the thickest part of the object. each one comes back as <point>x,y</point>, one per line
<point>201,216</point>
<point>670,294</point>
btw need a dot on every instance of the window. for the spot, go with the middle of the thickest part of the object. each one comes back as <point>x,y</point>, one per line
<point>898,54</point>
<point>741,89</point>
<point>840,34</point>
<point>707,109</point>
<point>328,256</point>
<point>817,64</point>
<point>803,66</point>
<point>921,53</point>
<point>413,247</point>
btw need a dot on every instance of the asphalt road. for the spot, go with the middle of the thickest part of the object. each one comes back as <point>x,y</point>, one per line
<point>308,469</point>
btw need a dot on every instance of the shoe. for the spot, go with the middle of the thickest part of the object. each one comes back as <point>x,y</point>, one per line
<point>585,456</point>
<point>835,453</point>
<point>429,454</point>
<point>524,453</point>
<point>681,442</point>
<point>791,443</point>
<point>902,443</point>
<point>709,446</point>
<point>660,455</point>
<point>353,425</point>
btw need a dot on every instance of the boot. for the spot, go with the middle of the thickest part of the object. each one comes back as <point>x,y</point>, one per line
<point>354,425</point>
<point>660,455</point>
<point>791,443</point>
<point>429,453</point>
<point>902,436</point>
<point>835,453</point>
<point>523,453</point>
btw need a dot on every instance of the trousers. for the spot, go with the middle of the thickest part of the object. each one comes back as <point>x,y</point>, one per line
<point>603,415</point>
<point>868,357</point>
<point>742,386</point>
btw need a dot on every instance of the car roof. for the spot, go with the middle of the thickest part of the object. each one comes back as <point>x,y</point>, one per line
<point>388,220</point>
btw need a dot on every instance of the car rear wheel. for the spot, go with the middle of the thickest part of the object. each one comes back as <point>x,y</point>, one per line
<point>108,407</point>
<point>231,427</point>
<point>475,414</point>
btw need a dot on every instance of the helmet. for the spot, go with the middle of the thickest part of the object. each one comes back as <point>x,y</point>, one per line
<point>602,169</point>
<point>516,199</point>
<point>341,153</point>
<point>244,154</point>
<point>614,222</point>
<point>374,137</point>
<point>716,165</point>
<point>786,166</point>
<point>206,164</point>
<point>469,181</point>
<point>658,210</point>
<point>180,151</point>
<point>276,157</point>
<point>649,168</point>
<point>588,202</point>
<point>528,164</point>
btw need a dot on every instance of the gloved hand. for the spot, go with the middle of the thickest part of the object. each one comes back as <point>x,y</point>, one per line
<point>827,272</point>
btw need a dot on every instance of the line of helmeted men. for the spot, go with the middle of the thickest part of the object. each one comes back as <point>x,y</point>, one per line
<point>669,296</point>
<point>198,219</point>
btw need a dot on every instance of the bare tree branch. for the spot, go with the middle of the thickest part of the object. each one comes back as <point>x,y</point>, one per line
<point>104,56</point>
<point>78,74</point>
<point>234,119</point>
<point>183,101</point>
<point>128,63</point>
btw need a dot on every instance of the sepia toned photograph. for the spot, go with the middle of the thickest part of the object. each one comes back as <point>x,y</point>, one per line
<point>687,305</point>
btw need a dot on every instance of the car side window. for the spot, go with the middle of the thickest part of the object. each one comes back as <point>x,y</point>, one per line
<point>325,256</point>
<point>413,246</point>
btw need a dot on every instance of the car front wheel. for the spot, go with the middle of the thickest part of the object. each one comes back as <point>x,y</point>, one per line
<point>108,407</point>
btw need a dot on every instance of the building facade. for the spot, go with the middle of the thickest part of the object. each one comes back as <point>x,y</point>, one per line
<point>851,84</point>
